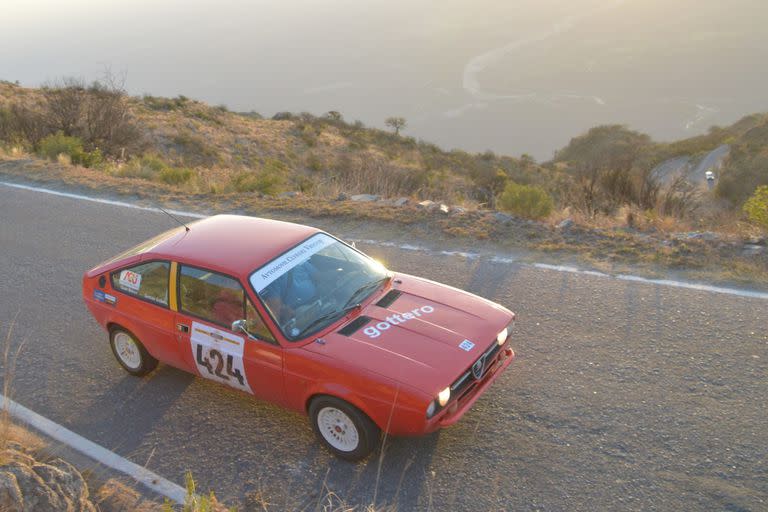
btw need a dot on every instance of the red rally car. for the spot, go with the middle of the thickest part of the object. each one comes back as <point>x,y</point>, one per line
<point>294,316</point>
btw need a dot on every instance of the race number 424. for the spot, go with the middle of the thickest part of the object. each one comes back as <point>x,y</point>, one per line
<point>218,364</point>
<point>218,355</point>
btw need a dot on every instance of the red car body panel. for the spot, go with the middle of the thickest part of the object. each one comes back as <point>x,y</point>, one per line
<point>391,368</point>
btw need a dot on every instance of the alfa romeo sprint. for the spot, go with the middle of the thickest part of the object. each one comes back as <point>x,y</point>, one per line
<point>295,316</point>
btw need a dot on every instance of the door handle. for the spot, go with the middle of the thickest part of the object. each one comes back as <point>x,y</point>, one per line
<point>182,327</point>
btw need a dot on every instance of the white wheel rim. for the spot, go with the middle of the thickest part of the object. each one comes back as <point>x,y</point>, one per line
<point>337,429</point>
<point>127,351</point>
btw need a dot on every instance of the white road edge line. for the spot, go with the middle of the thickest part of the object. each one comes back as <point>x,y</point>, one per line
<point>557,268</point>
<point>661,282</point>
<point>96,452</point>
<point>102,201</point>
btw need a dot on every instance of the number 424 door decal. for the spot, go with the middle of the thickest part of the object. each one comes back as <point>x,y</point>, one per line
<point>219,355</point>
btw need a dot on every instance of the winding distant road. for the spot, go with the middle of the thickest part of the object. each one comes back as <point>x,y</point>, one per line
<point>695,174</point>
<point>624,396</point>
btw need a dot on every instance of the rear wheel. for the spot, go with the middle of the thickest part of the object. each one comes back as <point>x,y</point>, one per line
<point>344,430</point>
<point>130,353</point>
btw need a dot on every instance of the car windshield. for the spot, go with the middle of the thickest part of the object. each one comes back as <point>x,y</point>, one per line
<point>315,283</point>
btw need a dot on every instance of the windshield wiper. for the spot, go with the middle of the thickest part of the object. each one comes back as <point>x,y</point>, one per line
<point>351,304</point>
<point>368,286</point>
<point>328,316</point>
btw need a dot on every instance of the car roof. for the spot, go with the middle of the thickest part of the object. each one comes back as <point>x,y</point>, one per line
<point>233,244</point>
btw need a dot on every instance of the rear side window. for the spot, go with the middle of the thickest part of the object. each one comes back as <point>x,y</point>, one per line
<point>148,281</point>
<point>218,299</point>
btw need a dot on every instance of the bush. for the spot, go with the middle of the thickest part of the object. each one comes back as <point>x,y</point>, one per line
<point>91,158</point>
<point>175,175</point>
<point>314,163</point>
<point>267,182</point>
<point>195,150</point>
<point>154,168</point>
<point>283,116</point>
<point>194,502</point>
<point>52,146</point>
<point>164,104</point>
<point>525,200</point>
<point>756,207</point>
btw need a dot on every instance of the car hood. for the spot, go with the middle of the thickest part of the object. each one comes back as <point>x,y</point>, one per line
<point>425,338</point>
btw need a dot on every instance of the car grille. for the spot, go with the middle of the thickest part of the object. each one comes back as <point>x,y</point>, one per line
<point>475,373</point>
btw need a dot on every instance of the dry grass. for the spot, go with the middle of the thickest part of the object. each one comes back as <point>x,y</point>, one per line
<point>13,153</point>
<point>728,224</point>
<point>9,432</point>
<point>114,496</point>
<point>64,159</point>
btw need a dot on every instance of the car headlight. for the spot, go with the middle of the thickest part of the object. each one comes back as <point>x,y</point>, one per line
<point>502,336</point>
<point>444,396</point>
<point>431,409</point>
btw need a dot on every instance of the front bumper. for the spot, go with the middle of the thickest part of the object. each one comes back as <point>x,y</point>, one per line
<point>455,410</point>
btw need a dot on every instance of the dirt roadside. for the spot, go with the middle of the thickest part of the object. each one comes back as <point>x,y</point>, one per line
<point>710,257</point>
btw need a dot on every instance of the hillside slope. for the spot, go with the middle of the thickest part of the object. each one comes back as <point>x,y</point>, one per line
<point>602,176</point>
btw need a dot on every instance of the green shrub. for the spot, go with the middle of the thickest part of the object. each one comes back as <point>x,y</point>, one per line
<point>756,207</point>
<point>194,502</point>
<point>54,145</point>
<point>154,168</point>
<point>314,163</point>
<point>164,104</point>
<point>267,182</point>
<point>145,167</point>
<point>91,158</point>
<point>527,201</point>
<point>195,150</point>
<point>59,144</point>
<point>175,175</point>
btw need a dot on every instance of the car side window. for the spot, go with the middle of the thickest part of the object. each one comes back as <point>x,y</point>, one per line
<point>148,281</point>
<point>218,299</point>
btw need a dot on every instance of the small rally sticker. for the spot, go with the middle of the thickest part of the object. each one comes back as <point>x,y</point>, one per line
<point>130,280</point>
<point>104,297</point>
<point>466,345</point>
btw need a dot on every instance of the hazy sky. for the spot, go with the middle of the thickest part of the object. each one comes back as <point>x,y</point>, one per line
<point>509,75</point>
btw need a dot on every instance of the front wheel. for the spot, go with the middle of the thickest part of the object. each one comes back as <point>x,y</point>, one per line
<point>130,353</point>
<point>343,429</point>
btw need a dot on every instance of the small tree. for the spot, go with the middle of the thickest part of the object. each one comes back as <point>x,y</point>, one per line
<point>65,103</point>
<point>334,115</point>
<point>396,123</point>
<point>756,207</point>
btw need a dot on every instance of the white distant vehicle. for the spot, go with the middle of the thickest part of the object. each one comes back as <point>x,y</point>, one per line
<point>710,176</point>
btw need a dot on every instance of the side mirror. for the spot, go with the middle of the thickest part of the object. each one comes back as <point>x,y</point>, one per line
<point>239,325</point>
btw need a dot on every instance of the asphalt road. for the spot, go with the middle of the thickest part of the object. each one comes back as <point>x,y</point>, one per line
<point>625,396</point>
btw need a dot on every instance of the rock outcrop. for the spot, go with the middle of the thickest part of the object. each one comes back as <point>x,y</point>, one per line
<point>27,485</point>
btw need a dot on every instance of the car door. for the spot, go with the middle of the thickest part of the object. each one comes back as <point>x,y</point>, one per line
<point>208,304</point>
<point>144,306</point>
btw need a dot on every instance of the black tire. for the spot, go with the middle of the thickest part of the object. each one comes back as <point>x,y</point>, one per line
<point>142,363</point>
<point>324,407</point>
